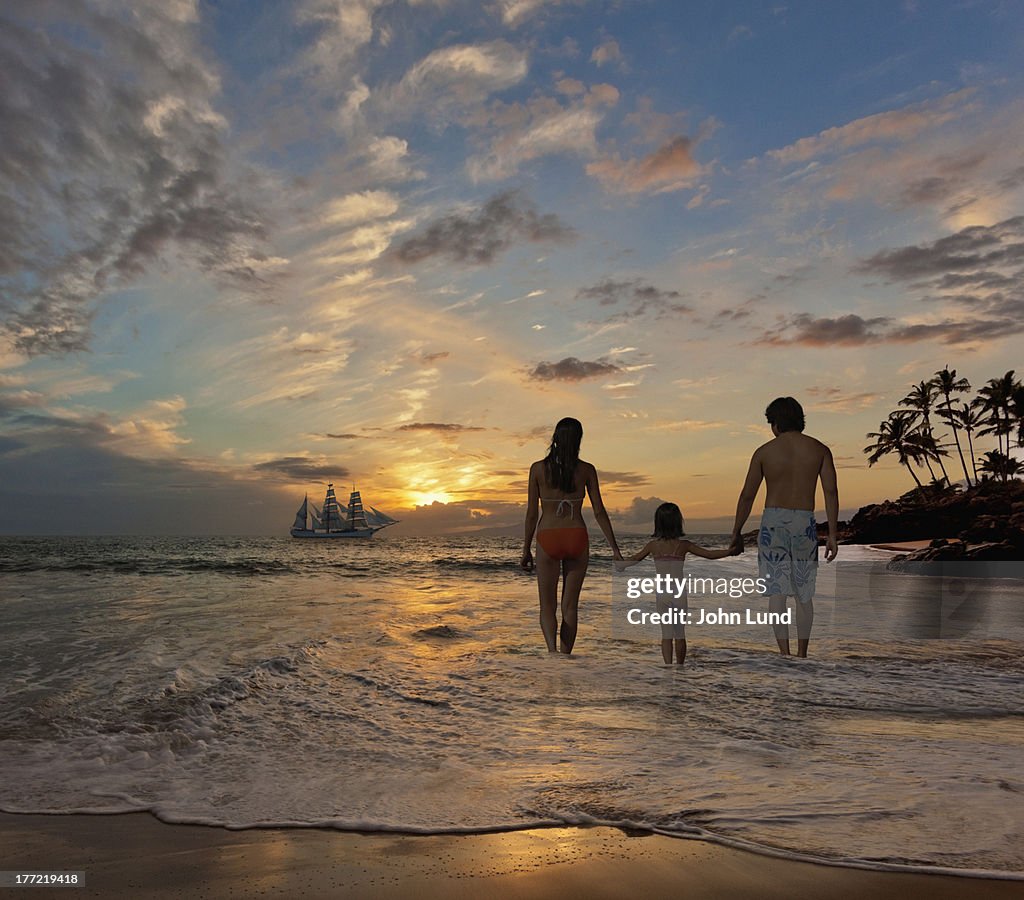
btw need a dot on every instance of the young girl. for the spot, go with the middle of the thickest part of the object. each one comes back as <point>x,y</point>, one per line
<point>669,549</point>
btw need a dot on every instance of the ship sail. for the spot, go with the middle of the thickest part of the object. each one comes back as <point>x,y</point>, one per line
<point>300,516</point>
<point>332,515</point>
<point>356,515</point>
<point>338,520</point>
<point>376,517</point>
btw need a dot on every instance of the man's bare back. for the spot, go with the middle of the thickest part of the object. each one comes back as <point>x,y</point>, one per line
<point>790,465</point>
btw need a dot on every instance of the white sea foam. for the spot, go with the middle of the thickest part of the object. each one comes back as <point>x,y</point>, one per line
<point>310,699</point>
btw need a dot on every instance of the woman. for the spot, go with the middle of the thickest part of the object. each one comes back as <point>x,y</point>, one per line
<point>559,483</point>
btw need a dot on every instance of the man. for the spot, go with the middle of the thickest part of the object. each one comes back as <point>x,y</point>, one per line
<point>787,547</point>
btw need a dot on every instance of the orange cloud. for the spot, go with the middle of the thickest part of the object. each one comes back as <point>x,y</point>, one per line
<point>669,168</point>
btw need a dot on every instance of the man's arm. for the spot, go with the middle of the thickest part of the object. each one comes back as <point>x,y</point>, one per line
<point>830,489</point>
<point>745,504</point>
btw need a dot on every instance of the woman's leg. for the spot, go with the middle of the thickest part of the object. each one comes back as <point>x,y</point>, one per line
<point>547,587</point>
<point>573,573</point>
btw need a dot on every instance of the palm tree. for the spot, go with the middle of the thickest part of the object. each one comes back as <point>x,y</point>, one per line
<point>921,400</point>
<point>896,435</point>
<point>999,465</point>
<point>1017,409</point>
<point>969,419</point>
<point>948,384</point>
<point>994,399</point>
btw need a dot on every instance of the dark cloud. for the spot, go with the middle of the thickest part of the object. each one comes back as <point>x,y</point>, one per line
<point>639,512</point>
<point>975,248</point>
<point>1012,179</point>
<point>434,357</point>
<point>846,331</point>
<point>573,369</point>
<point>302,468</point>
<point>113,159</point>
<point>445,427</point>
<point>466,516</point>
<point>636,295</point>
<point>977,268</point>
<point>344,437</point>
<point>854,331</point>
<point>481,236</point>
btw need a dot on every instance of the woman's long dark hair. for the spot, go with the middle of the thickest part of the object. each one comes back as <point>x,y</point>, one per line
<point>563,454</point>
<point>668,522</point>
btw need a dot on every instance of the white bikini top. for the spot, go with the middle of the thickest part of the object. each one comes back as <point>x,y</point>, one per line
<point>564,501</point>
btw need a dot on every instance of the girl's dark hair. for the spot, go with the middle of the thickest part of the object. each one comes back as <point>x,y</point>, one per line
<point>668,522</point>
<point>786,414</point>
<point>563,454</point>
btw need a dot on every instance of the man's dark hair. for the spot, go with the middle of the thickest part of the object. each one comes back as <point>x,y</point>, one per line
<point>785,414</point>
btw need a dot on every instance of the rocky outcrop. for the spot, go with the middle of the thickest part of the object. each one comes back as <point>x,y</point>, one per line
<point>983,523</point>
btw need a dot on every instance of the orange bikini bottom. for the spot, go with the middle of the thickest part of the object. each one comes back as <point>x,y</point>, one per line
<point>564,543</point>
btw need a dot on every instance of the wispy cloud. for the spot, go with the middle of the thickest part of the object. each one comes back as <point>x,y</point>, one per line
<point>114,158</point>
<point>892,125</point>
<point>480,236</point>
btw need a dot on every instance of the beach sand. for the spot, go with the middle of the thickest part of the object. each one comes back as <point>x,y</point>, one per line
<point>134,855</point>
<point>903,546</point>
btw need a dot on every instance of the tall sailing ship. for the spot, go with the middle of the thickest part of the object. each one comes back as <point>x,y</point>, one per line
<point>337,521</point>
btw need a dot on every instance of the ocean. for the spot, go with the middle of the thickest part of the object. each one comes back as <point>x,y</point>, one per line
<point>401,684</point>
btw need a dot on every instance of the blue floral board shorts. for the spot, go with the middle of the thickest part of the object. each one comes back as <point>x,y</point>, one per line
<point>787,552</point>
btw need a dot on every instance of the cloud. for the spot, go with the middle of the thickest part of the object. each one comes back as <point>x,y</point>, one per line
<point>302,468</point>
<point>853,331</point>
<point>515,12</point>
<point>639,512</point>
<point>972,253</point>
<point>844,331</point>
<point>453,80</point>
<point>622,479</point>
<point>573,369</point>
<point>607,52</point>
<point>838,400</point>
<point>637,296</point>
<point>114,158</point>
<point>357,208</point>
<point>671,167</point>
<point>890,126</point>
<point>520,132</point>
<point>441,427</point>
<point>480,236</point>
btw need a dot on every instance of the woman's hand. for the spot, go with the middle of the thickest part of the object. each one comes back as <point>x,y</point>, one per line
<point>526,561</point>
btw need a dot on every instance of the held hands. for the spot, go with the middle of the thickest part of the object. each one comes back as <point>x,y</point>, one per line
<point>736,547</point>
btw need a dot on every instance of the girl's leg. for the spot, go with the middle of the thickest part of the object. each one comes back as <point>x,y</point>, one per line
<point>547,587</point>
<point>573,573</point>
<point>666,650</point>
<point>680,651</point>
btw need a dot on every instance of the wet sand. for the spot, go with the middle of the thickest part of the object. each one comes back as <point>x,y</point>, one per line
<point>135,855</point>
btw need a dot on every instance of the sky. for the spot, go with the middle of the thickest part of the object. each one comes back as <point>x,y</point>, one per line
<point>249,248</point>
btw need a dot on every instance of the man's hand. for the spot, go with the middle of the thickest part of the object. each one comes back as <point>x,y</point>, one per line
<point>831,549</point>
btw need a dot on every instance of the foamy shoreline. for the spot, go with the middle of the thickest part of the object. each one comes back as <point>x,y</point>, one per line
<point>138,855</point>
